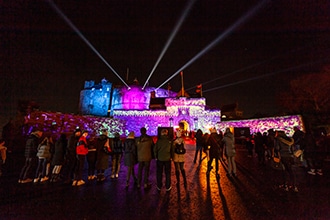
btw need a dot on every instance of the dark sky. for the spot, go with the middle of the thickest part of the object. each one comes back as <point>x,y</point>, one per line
<point>43,59</point>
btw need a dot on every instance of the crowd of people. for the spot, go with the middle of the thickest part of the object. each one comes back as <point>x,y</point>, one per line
<point>64,159</point>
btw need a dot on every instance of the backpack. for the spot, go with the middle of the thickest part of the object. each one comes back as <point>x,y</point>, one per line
<point>179,149</point>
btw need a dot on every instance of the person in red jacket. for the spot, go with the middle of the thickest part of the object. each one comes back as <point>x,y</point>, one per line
<point>82,151</point>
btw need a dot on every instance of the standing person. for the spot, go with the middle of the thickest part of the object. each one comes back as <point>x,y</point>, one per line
<point>206,146</point>
<point>91,158</point>
<point>3,153</point>
<point>130,157</point>
<point>299,144</point>
<point>81,151</point>
<point>162,152</point>
<point>145,146</point>
<point>230,152</point>
<point>58,157</point>
<point>249,146</point>
<point>199,146</point>
<point>178,152</point>
<point>117,153</point>
<point>44,156</point>
<point>283,149</point>
<point>31,159</point>
<point>270,143</point>
<point>260,148</point>
<point>70,155</point>
<point>215,144</point>
<point>102,157</point>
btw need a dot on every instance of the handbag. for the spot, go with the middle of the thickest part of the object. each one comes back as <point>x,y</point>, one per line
<point>297,153</point>
<point>276,164</point>
<point>179,149</point>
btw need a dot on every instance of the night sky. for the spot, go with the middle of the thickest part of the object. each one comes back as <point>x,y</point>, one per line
<point>44,60</point>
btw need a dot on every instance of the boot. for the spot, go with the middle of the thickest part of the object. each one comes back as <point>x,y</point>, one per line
<point>177,174</point>
<point>183,172</point>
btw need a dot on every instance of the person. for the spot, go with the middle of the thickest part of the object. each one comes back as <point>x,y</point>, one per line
<point>102,157</point>
<point>58,157</point>
<point>249,146</point>
<point>117,153</point>
<point>130,157</point>
<point>31,159</point>
<point>315,152</point>
<point>230,151</point>
<point>214,143</point>
<point>299,138</point>
<point>162,153</point>
<point>199,146</point>
<point>145,145</point>
<point>299,145</point>
<point>81,152</point>
<point>260,148</point>
<point>3,152</point>
<point>91,158</point>
<point>44,156</point>
<point>205,146</point>
<point>178,155</point>
<point>282,149</point>
<point>70,155</point>
<point>270,143</point>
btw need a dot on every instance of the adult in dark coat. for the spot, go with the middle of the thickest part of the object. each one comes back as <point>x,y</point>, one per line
<point>283,145</point>
<point>102,158</point>
<point>163,154</point>
<point>145,146</point>
<point>58,157</point>
<point>199,146</point>
<point>130,156</point>
<point>31,158</point>
<point>260,148</point>
<point>117,153</point>
<point>70,156</point>
<point>214,142</point>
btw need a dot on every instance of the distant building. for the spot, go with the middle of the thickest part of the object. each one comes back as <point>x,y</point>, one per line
<point>231,111</point>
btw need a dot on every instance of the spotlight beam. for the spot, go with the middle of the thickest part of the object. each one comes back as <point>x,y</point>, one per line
<point>232,73</point>
<point>265,75</point>
<point>238,23</point>
<point>251,66</point>
<point>75,29</point>
<point>170,39</point>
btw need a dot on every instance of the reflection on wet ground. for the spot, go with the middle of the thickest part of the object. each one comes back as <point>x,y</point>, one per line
<point>250,195</point>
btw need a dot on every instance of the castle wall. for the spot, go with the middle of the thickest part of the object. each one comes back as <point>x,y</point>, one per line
<point>95,99</point>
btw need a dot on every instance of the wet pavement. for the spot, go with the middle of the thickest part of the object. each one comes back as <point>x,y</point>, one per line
<point>250,195</point>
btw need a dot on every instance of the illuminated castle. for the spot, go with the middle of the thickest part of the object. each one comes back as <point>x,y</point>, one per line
<point>149,107</point>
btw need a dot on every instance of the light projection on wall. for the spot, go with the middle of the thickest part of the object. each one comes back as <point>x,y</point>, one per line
<point>136,97</point>
<point>95,99</point>
<point>284,123</point>
<point>130,111</point>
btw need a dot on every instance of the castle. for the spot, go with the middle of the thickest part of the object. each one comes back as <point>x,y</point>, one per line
<point>149,107</point>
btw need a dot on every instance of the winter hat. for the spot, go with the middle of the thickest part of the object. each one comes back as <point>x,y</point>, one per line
<point>131,135</point>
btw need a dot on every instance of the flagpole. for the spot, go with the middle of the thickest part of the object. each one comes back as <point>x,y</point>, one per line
<point>182,86</point>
